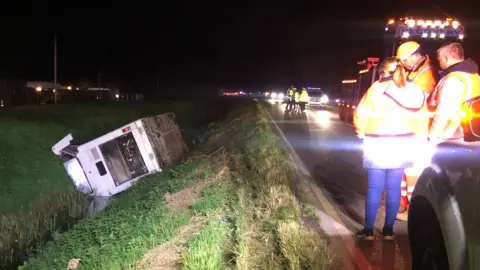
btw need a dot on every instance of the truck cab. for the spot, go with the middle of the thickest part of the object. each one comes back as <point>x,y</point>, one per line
<point>443,221</point>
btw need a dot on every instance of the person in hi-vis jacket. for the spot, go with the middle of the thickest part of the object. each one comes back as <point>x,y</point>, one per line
<point>392,119</point>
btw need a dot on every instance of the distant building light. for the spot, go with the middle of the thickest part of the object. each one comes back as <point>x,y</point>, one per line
<point>69,87</point>
<point>38,89</point>
<point>78,88</point>
<point>117,95</point>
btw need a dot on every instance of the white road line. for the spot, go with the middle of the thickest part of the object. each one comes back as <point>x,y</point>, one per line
<point>330,222</point>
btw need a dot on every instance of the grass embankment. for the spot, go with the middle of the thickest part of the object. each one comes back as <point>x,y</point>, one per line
<point>231,206</point>
<point>36,194</point>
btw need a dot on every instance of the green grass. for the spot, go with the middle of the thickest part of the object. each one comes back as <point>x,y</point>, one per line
<point>36,195</point>
<point>213,197</point>
<point>117,237</point>
<point>207,250</point>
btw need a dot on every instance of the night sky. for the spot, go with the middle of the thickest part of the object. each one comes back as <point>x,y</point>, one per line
<point>201,47</point>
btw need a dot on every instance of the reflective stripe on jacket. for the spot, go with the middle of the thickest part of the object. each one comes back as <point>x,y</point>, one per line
<point>304,97</point>
<point>424,76</point>
<point>394,122</point>
<point>460,83</point>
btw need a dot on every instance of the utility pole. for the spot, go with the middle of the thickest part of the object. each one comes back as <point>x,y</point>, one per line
<point>158,85</point>
<point>55,69</point>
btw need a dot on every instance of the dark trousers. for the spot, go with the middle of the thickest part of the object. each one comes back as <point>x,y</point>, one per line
<point>290,104</point>
<point>302,106</point>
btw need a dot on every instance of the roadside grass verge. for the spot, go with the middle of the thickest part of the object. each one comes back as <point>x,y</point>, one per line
<point>262,215</point>
<point>37,197</point>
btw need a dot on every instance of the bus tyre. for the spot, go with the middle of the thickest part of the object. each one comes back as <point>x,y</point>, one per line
<point>426,238</point>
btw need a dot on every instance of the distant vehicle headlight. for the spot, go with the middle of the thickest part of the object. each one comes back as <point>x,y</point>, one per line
<point>324,99</point>
<point>274,95</point>
<point>280,96</point>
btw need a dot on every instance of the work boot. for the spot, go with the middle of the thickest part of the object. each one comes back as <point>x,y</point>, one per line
<point>388,234</point>
<point>365,234</point>
<point>403,216</point>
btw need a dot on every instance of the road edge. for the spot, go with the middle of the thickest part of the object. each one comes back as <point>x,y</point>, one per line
<point>330,221</point>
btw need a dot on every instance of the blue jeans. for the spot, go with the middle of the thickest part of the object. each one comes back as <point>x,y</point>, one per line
<point>378,179</point>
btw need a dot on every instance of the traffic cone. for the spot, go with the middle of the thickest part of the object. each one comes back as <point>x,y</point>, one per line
<point>404,193</point>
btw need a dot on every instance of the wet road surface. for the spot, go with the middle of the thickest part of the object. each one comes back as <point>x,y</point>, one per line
<point>331,153</point>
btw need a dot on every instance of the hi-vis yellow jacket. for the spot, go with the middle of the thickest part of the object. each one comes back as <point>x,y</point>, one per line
<point>304,96</point>
<point>460,83</point>
<point>393,122</point>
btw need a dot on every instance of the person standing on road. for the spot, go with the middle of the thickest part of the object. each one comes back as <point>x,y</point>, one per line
<point>303,99</point>
<point>290,95</point>
<point>420,72</point>
<point>296,99</point>
<point>460,83</point>
<point>390,119</point>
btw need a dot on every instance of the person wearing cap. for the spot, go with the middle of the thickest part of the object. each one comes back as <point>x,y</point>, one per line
<point>388,119</point>
<point>420,72</point>
<point>419,67</point>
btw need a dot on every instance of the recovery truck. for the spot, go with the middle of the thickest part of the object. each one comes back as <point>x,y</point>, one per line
<point>430,33</point>
<point>113,162</point>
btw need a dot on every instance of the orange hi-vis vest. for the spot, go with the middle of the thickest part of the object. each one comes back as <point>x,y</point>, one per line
<point>393,122</point>
<point>449,128</point>
<point>386,110</point>
<point>424,77</point>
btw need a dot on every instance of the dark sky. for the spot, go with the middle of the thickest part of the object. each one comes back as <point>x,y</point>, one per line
<point>198,46</point>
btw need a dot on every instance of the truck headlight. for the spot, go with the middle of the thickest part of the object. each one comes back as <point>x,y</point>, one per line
<point>273,95</point>
<point>324,99</point>
<point>280,96</point>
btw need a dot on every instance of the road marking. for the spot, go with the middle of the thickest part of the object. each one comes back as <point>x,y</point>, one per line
<point>330,221</point>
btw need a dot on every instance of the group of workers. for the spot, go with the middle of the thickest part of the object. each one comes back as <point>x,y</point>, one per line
<point>402,119</point>
<point>297,100</point>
